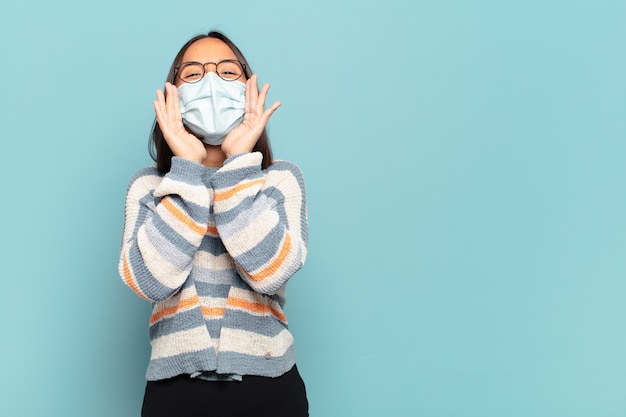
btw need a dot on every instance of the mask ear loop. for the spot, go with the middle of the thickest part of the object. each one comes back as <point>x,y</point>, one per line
<point>245,70</point>
<point>174,76</point>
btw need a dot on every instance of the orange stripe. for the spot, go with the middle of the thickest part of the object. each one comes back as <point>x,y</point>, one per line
<point>271,269</point>
<point>168,311</point>
<point>130,280</point>
<point>213,311</point>
<point>212,230</point>
<point>225,195</point>
<point>256,307</point>
<point>182,216</point>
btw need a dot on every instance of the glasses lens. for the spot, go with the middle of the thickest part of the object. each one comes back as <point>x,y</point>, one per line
<point>192,72</point>
<point>229,70</point>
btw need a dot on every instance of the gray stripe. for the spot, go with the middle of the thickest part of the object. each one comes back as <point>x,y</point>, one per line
<point>146,209</point>
<point>214,327</point>
<point>285,166</point>
<point>145,172</point>
<point>229,215</point>
<point>205,289</point>
<point>156,225</point>
<point>237,363</point>
<point>235,220</point>
<point>228,179</point>
<point>183,177</point>
<point>181,321</point>
<point>263,325</point>
<point>264,250</point>
<point>271,196</point>
<point>211,276</point>
<point>168,250</point>
<point>185,363</point>
<point>276,195</point>
<point>198,213</point>
<point>212,245</point>
<point>148,284</point>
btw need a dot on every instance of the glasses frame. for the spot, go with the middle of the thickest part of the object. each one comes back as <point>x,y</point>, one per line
<point>204,71</point>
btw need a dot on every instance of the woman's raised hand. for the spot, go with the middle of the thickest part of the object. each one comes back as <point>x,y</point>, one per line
<point>243,138</point>
<point>180,141</point>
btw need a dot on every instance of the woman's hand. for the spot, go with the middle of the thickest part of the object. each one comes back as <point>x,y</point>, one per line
<point>180,141</point>
<point>243,138</point>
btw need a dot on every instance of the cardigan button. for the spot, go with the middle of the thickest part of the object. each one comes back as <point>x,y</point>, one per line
<point>268,355</point>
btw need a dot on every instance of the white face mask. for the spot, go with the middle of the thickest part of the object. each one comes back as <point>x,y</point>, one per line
<point>212,107</point>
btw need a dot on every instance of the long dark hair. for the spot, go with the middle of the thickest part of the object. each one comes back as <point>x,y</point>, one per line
<point>158,147</point>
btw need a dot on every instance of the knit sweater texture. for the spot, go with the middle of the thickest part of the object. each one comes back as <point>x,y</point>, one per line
<point>213,250</point>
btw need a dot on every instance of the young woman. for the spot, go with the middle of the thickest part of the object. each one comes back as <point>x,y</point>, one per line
<point>212,234</point>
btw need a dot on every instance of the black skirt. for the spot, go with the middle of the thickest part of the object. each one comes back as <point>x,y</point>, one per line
<point>253,396</point>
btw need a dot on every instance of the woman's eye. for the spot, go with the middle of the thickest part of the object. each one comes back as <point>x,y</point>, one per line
<point>192,76</point>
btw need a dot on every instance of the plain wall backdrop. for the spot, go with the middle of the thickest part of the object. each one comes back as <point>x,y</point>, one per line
<point>465,173</point>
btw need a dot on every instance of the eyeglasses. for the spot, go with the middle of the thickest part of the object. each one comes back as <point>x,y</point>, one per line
<point>228,69</point>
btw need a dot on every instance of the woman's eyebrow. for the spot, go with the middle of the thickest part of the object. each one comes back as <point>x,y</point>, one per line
<point>210,62</point>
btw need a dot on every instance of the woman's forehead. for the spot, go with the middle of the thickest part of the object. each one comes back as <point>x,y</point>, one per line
<point>208,50</point>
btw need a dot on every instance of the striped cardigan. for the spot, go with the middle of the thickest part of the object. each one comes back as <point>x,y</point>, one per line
<point>213,249</point>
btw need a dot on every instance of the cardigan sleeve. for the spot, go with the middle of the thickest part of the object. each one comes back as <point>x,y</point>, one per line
<point>261,218</point>
<point>164,223</point>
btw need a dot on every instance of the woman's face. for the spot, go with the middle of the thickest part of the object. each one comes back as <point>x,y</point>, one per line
<point>207,50</point>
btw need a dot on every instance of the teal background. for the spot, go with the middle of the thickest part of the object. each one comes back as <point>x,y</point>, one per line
<point>465,175</point>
